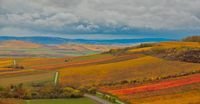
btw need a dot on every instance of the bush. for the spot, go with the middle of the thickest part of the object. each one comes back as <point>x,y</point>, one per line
<point>92,90</point>
<point>1,88</point>
<point>192,39</point>
<point>48,91</point>
<point>142,45</point>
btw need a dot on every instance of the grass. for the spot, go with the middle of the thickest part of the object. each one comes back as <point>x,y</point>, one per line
<point>49,101</point>
<point>56,63</point>
<point>26,77</point>
<point>62,101</point>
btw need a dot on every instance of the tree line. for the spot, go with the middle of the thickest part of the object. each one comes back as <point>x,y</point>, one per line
<point>46,92</point>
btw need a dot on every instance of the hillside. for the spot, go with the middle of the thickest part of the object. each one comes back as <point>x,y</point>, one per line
<point>151,65</point>
<point>192,39</point>
<point>134,69</point>
<point>18,48</point>
<point>18,44</point>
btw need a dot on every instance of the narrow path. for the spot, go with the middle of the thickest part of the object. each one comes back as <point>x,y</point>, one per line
<point>97,99</point>
<point>56,78</point>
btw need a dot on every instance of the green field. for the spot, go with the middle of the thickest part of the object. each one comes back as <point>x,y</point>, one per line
<point>61,101</point>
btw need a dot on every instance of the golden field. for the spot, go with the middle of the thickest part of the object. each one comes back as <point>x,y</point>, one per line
<point>135,69</point>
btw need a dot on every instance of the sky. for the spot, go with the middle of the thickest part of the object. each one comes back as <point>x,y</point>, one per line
<point>100,19</point>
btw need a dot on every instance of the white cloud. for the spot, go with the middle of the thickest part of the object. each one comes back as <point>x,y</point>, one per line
<point>15,31</point>
<point>94,14</point>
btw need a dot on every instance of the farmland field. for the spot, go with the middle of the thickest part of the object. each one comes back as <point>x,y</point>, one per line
<point>187,94</point>
<point>158,86</point>
<point>26,77</point>
<point>138,69</point>
<point>132,74</point>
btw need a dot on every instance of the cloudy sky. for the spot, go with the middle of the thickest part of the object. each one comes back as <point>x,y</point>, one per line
<point>100,18</point>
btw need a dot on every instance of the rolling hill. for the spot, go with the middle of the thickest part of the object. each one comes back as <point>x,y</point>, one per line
<point>137,74</point>
<point>148,78</point>
<point>17,48</point>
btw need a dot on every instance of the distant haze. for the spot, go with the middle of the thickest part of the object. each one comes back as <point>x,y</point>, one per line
<point>57,40</point>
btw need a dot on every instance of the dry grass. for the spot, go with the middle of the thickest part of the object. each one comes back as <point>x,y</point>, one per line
<point>6,62</point>
<point>140,49</point>
<point>178,44</point>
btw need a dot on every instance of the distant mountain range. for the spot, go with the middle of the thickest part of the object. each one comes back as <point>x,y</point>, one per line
<point>57,40</point>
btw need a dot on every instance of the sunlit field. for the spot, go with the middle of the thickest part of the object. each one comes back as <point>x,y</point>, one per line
<point>135,69</point>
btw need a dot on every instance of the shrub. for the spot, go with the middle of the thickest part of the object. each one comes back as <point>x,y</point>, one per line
<point>92,90</point>
<point>142,45</point>
<point>48,91</point>
<point>1,88</point>
<point>192,39</point>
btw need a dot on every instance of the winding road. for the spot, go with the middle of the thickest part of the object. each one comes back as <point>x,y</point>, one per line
<point>97,99</point>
